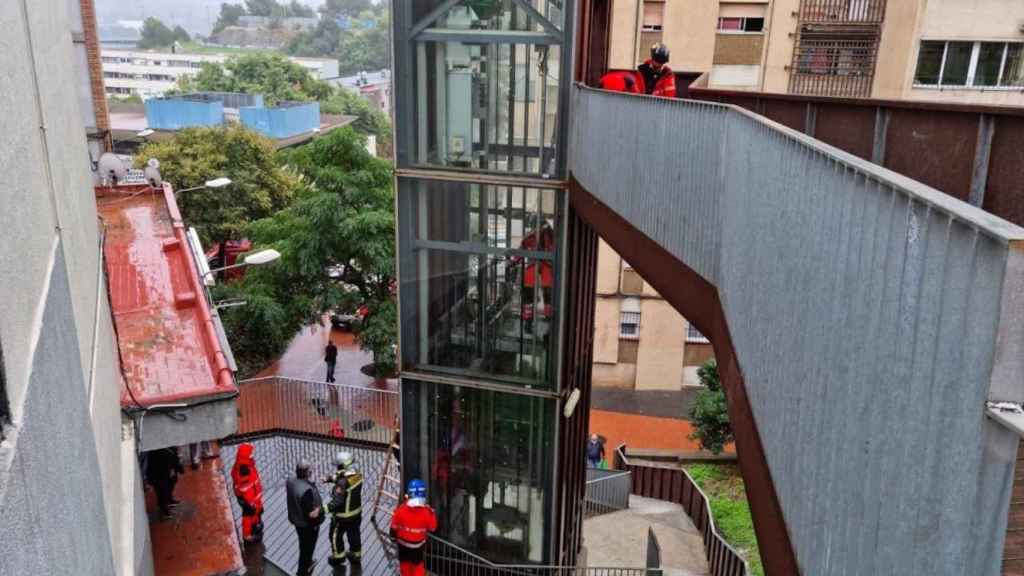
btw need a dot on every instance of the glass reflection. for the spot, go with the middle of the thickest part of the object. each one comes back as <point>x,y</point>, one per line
<point>487,459</point>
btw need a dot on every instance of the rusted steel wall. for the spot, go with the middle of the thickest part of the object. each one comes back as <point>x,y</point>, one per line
<point>973,153</point>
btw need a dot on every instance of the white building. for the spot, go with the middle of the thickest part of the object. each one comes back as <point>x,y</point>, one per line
<point>150,74</point>
<point>374,87</point>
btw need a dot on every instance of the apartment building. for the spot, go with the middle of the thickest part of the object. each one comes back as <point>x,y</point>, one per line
<point>937,50</point>
<point>152,74</point>
<point>640,341</point>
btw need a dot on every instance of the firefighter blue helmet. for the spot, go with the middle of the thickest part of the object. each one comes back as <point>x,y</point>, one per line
<point>417,489</point>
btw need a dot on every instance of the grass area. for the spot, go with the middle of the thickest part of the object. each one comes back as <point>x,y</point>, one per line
<point>724,488</point>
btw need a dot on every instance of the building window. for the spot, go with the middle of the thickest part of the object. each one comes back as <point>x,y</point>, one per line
<point>750,25</point>
<point>654,15</point>
<point>629,325</point>
<point>970,64</point>
<point>694,336</point>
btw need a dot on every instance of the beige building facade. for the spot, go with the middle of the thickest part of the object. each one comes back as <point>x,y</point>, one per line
<point>937,50</point>
<point>640,341</point>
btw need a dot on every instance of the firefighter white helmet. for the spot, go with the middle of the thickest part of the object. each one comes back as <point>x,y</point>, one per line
<point>344,459</point>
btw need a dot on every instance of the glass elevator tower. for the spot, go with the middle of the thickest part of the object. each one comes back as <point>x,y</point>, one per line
<point>485,238</point>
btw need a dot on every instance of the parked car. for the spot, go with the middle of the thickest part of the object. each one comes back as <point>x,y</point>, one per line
<point>346,321</point>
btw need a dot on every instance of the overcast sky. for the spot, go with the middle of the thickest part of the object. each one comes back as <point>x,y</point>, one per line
<point>193,15</point>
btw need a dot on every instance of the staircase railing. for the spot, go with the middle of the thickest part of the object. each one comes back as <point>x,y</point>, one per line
<point>674,484</point>
<point>607,491</point>
<point>443,557</point>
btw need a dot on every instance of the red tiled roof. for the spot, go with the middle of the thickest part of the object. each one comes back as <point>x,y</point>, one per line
<point>169,346</point>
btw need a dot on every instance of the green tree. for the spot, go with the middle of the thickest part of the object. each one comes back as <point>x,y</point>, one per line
<point>260,186</point>
<point>297,10</point>
<point>155,34</point>
<point>272,75</point>
<point>180,35</point>
<point>369,120</point>
<point>343,221</point>
<point>261,7</point>
<point>335,8</point>
<point>363,47</point>
<point>710,414</point>
<point>229,15</point>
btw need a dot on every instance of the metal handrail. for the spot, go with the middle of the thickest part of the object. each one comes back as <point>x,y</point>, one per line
<point>607,492</point>
<point>701,516</point>
<point>443,554</point>
<point>338,411</point>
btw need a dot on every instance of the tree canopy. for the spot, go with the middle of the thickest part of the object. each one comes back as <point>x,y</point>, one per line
<point>343,221</point>
<point>156,34</point>
<point>229,15</point>
<point>259,188</point>
<point>363,46</point>
<point>710,414</point>
<point>369,120</point>
<point>272,75</point>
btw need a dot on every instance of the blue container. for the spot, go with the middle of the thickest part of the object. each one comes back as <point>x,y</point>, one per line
<point>177,113</point>
<point>283,121</point>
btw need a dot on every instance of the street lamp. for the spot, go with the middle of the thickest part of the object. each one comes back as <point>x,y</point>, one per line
<point>215,183</point>
<point>255,259</point>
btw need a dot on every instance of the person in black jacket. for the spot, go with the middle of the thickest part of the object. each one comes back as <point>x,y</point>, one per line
<point>162,469</point>
<point>331,358</point>
<point>304,512</point>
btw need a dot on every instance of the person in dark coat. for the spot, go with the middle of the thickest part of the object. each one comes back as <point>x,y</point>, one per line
<point>162,469</point>
<point>595,451</point>
<point>305,513</point>
<point>331,358</point>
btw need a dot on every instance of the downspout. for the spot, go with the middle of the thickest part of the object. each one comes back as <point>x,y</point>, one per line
<point>767,45</point>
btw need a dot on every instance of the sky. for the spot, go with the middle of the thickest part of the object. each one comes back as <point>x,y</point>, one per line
<point>195,16</point>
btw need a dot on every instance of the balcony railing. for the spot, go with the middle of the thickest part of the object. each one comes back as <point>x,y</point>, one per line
<point>276,404</point>
<point>842,11</point>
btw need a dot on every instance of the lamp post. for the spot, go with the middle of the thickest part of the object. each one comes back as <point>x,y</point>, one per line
<point>215,183</point>
<point>255,259</point>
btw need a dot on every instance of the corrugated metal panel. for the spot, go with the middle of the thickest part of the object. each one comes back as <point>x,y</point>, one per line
<point>283,121</point>
<point>864,309</point>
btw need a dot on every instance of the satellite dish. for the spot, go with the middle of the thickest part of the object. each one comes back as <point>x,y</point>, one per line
<point>112,169</point>
<point>153,163</point>
<point>152,175</point>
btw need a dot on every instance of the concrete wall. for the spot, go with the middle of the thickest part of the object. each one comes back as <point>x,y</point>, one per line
<point>659,363</point>
<point>893,307</point>
<point>625,33</point>
<point>55,329</point>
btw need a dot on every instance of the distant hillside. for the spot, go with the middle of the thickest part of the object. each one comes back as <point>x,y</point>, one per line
<point>195,16</point>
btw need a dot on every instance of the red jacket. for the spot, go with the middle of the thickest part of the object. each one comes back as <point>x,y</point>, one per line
<point>246,478</point>
<point>619,82</point>
<point>410,524</point>
<point>665,85</point>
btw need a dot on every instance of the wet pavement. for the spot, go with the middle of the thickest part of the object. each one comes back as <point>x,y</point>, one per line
<point>304,358</point>
<point>200,538</point>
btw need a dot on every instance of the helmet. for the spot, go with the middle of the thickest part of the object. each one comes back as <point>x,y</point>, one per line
<point>343,459</point>
<point>659,53</point>
<point>417,489</point>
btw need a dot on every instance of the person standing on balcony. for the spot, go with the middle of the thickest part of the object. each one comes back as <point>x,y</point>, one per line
<point>304,512</point>
<point>654,75</point>
<point>330,357</point>
<point>249,491</point>
<point>411,523</point>
<point>346,511</point>
<point>162,469</point>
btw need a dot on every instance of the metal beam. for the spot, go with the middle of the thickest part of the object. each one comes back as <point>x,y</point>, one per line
<point>881,130</point>
<point>434,14</point>
<point>979,175</point>
<point>541,19</point>
<point>486,36</point>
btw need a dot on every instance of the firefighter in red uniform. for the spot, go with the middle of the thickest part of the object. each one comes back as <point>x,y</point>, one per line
<point>412,521</point>
<point>619,82</point>
<point>654,77</point>
<point>249,492</point>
